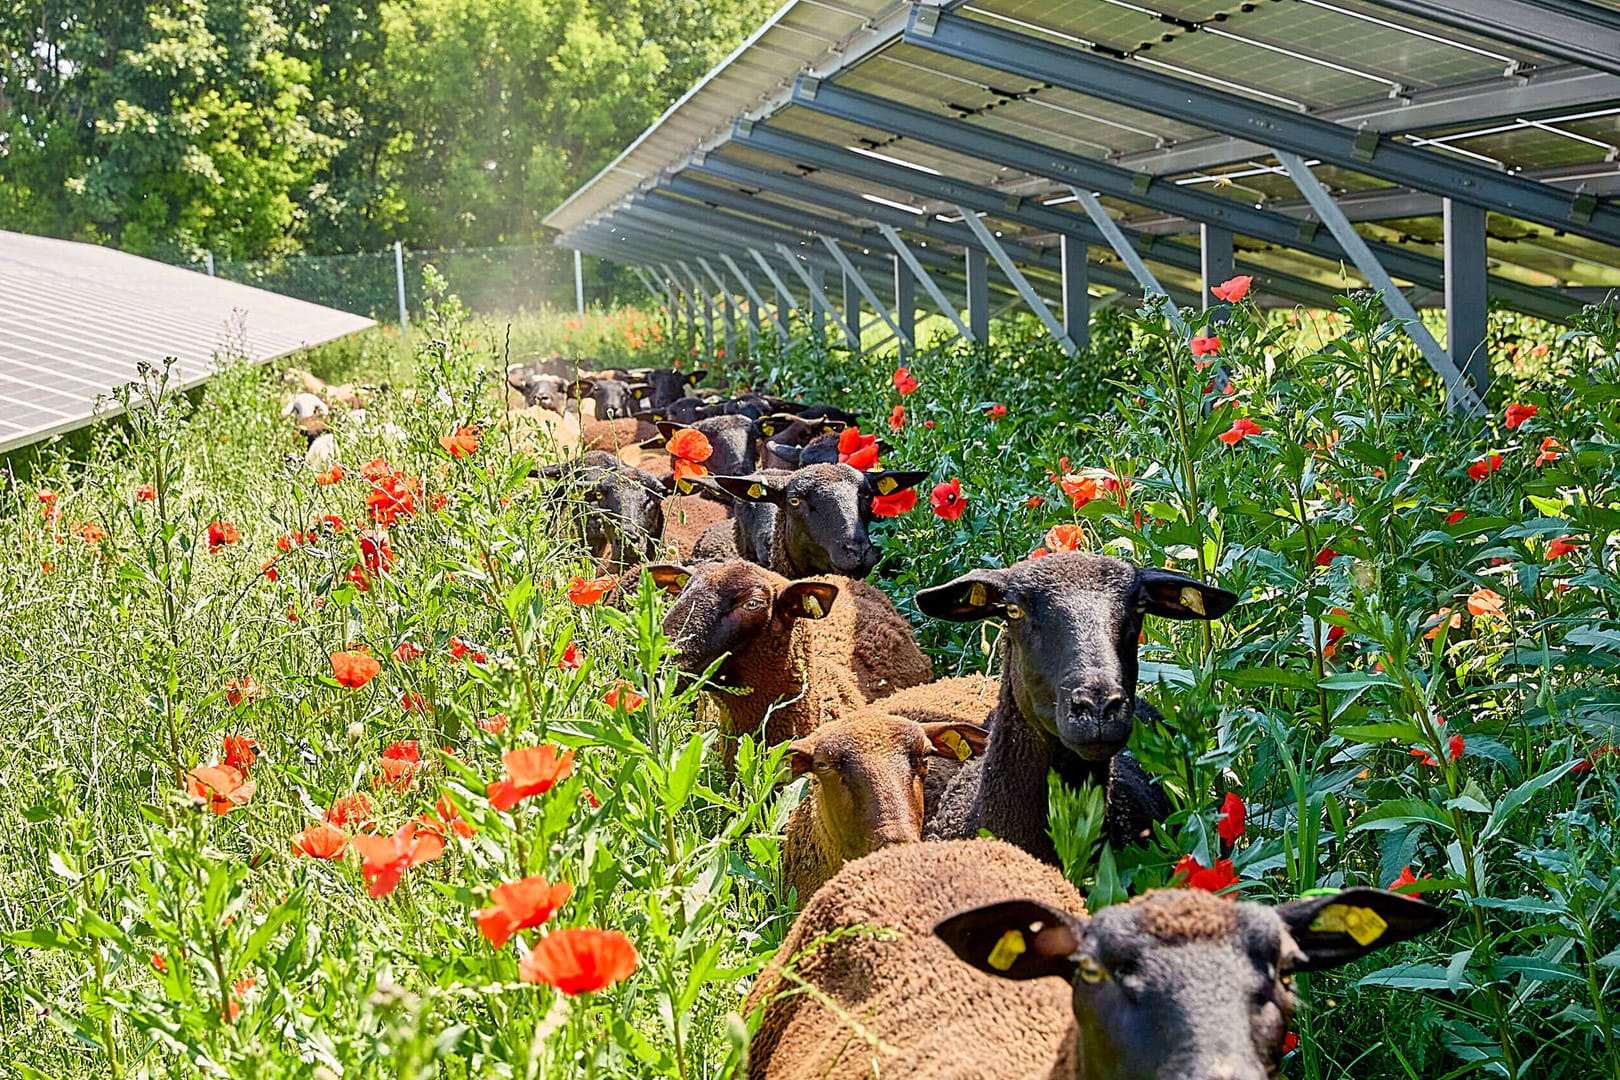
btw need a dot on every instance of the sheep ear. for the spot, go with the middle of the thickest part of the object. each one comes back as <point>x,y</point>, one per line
<point>581,388</point>
<point>668,428</point>
<point>638,390</point>
<point>767,426</point>
<point>956,740</point>
<point>656,485</point>
<point>1014,939</point>
<point>1177,596</point>
<point>1345,926</point>
<point>789,454</point>
<point>707,484</point>
<point>801,757</point>
<point>806,600</point>
<point>750,489</point>
<point>980,594</point>
<point>695,377</point>
<point>518,380</point>
<point>671,577</point>
<point>888,481</point>
<point>654,443</point>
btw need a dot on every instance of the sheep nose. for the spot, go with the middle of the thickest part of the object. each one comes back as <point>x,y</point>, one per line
<point>1084,701</point>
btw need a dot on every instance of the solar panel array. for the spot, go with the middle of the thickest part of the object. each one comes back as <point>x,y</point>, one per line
<point>1528,89</point>
<point>76,319</point>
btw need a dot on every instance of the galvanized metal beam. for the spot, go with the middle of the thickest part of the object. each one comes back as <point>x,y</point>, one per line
<point>1583,33</point>
<point>978,294</point>
<point>642,275</point>
<point>1127,254</point>
<point>818,295</point>
<point>852,274</point>
<point>935,293</point>
<point>1010,270</point>
<point>754,298</point>
<point>1215,248</point>
<point>1466,307</point>
<point>1137,86</point>
<point>782,291</point>
<point>905,305</point>
<point>1458,390</point>
<point>852,313</point>
<point>1076,291</point>
<point>1184,201</point>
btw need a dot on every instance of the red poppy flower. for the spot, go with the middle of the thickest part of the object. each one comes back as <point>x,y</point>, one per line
<point>1455,516</point>
<point>1241,429</point>
<point>689,447</point>
<point>1482,468</point>
<point>569,661</point>
<point>146,493</point>
<point>375,551</point>
<point>1455,747</point>
<point>947,500</point>
<point>268,569</point>
<point>1232,289</point>
<point>1441,619</point>
<point>856,450</point>
<point>1549,452</point>
<point>1585,764</point>
<point>320,841</point>
<point>1517,414</point>
<point>358,577</point>
<point>354,669</point>
<point>903,381</point>
<point>221,533</point>
<point>996,412</point>
<point>411,701</point>
<point>330,476</point>
<point>1064,538</point>
<point>351,810</point>
<point>158,964</point>
<point>530,771</point>
<point>384,858</point>
<point>1326,556</point>
<point>376,469</point>
<point>1233,815</point>
<point>237,752</point>
<point>493,724</point>
<point>623,694</point>
<point>579,960</point>
<point>241,690</point>
<point>233,1007</point>
<point>47,505</point>
<point>1564,545</point>
<point>406,651</point>
<point>585,593</point>
<point>897,418</point>
<point>1205,346</point>
<point>520,905</point>
<point>1034,502</point>
<point>1486,602</point>
<point>901,502</point>
<point>1290,1043</point>
<point>464,443</point>
<point>224,787</point>
<point>391,497</point>
<point>1334,635</point>
<point>459,648</point>
<point>1209,879</point>
<point>332,522</point>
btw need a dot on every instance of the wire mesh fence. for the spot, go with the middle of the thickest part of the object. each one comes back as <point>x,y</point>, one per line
<point>527,277</point>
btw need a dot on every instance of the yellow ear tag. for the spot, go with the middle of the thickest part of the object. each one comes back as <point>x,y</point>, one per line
<point>887,485</point>
<point>684,486</point>
<point>813,606</point>
<point>978,594</point>
<point>756,491</point>
<point>768,429</point>
<point>682,579</point>
<point>1192,599</point>
<point>1007,951</point>
<point>1363,924</point>
<point>956,745</point>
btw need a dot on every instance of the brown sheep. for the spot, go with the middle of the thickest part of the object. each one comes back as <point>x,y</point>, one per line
<point>866,789</point>
<point>688,517</point>
<point>800,653</point>
<point>1175,985</point>
<point>965,699</point>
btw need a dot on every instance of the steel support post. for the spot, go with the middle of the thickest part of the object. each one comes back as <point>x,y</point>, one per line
<point>1458,391</point>
<point>820,303</point>
<point>1127,254</point>
<point>785,300</point>
<point>1218,265</point>
<point>852,274</point>
<point>1076,292</point>
<point>852,313</point>
<point>923,277</point>
<point>756,302</point>
<point>978,294</point>
<point>1466,307</point>
<point>1020,284</point>
<point>905,307</point>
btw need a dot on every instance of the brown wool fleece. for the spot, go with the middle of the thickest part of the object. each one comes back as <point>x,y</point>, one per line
<point>887,657</point>
<point>687,517</point>
<point>967,699</point>
<point>930,1013</point>
<point>622,437</point>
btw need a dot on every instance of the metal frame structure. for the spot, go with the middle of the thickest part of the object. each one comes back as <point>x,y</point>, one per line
<point>1460,152</point>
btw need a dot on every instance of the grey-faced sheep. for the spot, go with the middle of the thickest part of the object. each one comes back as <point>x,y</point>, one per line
<point>623,517</point>
<point>662,387</point>
<point>731,442</point>
<point>801,653</point>
<point>867,775</point>
<point>822,514</point>
<point>1068,691</point>
<point>987,968</point>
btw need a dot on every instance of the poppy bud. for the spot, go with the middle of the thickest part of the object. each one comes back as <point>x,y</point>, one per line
<point>356,732</point>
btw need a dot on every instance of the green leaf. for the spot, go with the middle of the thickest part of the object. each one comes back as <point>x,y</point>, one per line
<point>1513,800</point>
<point>684,774</point>
<point>45,937</point>
<point>1413,977</point>
<point>1531,969</point>
<point>1397,813</point>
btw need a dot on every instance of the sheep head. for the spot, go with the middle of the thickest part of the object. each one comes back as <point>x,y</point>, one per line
<point>726,607</point>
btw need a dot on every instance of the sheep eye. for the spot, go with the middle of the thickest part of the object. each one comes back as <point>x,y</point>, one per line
<point>794,500</point>
<point>1288,982</point>
<point>1014,611</point>
<point>823,765</point>
<point>1092,972</point>
<point>754,604</point>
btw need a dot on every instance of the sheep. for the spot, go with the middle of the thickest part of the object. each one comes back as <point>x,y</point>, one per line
<point>971,960</point>
<point>821,516</point>
<point>304,406</point>
<point>661,387</point>
<point>788,431</point>
<point>1068,690</point>
<point>812,649</point>
<point>624,515</point>
<point>543,432</point>
<point>624,437</point>
<point>687,518</point>
<point>965,699</point>
<point>867,774</point>
<point>730,441</point>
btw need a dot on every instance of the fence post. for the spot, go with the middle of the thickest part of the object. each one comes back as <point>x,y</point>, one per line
<point>399,277</point>
<point>208,261</point>
<point>579,282</point>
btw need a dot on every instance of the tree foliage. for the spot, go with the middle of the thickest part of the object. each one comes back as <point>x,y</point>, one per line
<point>255,128</point>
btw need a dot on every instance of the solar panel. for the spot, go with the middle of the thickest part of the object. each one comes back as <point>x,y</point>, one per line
<point>76,319</point>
